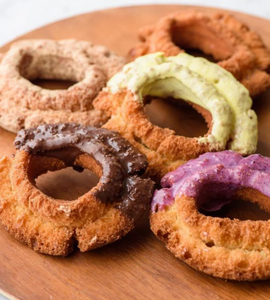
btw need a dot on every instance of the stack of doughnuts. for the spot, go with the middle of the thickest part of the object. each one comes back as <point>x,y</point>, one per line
<point>99,123</point>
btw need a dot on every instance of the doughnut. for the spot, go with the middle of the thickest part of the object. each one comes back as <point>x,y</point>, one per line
<point>230,42</point>
<point>222,247</point>
<point>210,89</point>
<point>101,216</point>
<point>25,105</point>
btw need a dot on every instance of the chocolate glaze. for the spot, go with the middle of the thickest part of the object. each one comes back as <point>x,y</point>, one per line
<point>121,163</point>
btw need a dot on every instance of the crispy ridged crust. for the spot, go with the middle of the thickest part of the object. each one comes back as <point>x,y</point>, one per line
<point>230,249</point>
<point>165,151</point>
<point>25,105</point>
<point>54,226</point>
<point>230,42</point>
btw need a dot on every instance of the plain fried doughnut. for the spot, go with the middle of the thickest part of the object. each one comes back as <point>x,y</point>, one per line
<point>231,43</point>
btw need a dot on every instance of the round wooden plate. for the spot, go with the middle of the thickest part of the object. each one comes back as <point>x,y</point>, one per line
<point>138,266</point>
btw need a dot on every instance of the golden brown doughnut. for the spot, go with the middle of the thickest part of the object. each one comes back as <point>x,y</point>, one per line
<point>230,42</point>
<point>101,216</point>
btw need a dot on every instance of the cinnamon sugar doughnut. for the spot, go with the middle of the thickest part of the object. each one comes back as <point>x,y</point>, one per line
<point>231,43</point>
<point>222,247</point>
<point>24,105</point>
<point>104,214</point>
<point>213,91</point>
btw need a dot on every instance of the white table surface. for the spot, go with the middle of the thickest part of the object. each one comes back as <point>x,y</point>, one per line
<point>20,16</point>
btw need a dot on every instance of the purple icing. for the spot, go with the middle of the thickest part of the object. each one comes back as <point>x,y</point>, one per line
<point>213,179</point>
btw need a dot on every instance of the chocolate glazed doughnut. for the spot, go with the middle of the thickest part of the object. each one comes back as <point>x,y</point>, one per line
<point>104,214</point>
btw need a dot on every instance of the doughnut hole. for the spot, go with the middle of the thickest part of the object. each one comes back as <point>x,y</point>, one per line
<point>198,39</point>
<point>50,71</point>
<point>199,53</point>
<point>216,199</point>
<point>59,180</point>
<point>187,255</point>
<point>210,244</point>
<point>53,84</point>
<point>243,264</point>
<point>163,236</point>
<point>240,209</point>
<point>185,120</point>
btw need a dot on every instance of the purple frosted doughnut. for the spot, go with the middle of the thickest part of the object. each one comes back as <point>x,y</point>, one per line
<point>222,247</point>
<point>226,168</point>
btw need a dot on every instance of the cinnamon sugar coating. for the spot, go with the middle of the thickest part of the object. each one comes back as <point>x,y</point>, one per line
<point>25,105</point>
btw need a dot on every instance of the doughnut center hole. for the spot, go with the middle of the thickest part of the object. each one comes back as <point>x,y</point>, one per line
<point>67,184</point>
<point>199,53</point>
<point>53,84</point>
<point>50,72</point>
<point>175,114</point>
<point>198,39</point>
<point>239,209</point>
<point>213,195</point>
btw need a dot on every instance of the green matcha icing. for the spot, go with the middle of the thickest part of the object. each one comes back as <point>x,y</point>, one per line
<point>199,81</point>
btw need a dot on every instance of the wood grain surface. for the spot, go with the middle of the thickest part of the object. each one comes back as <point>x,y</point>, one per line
<point>138,266</point>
